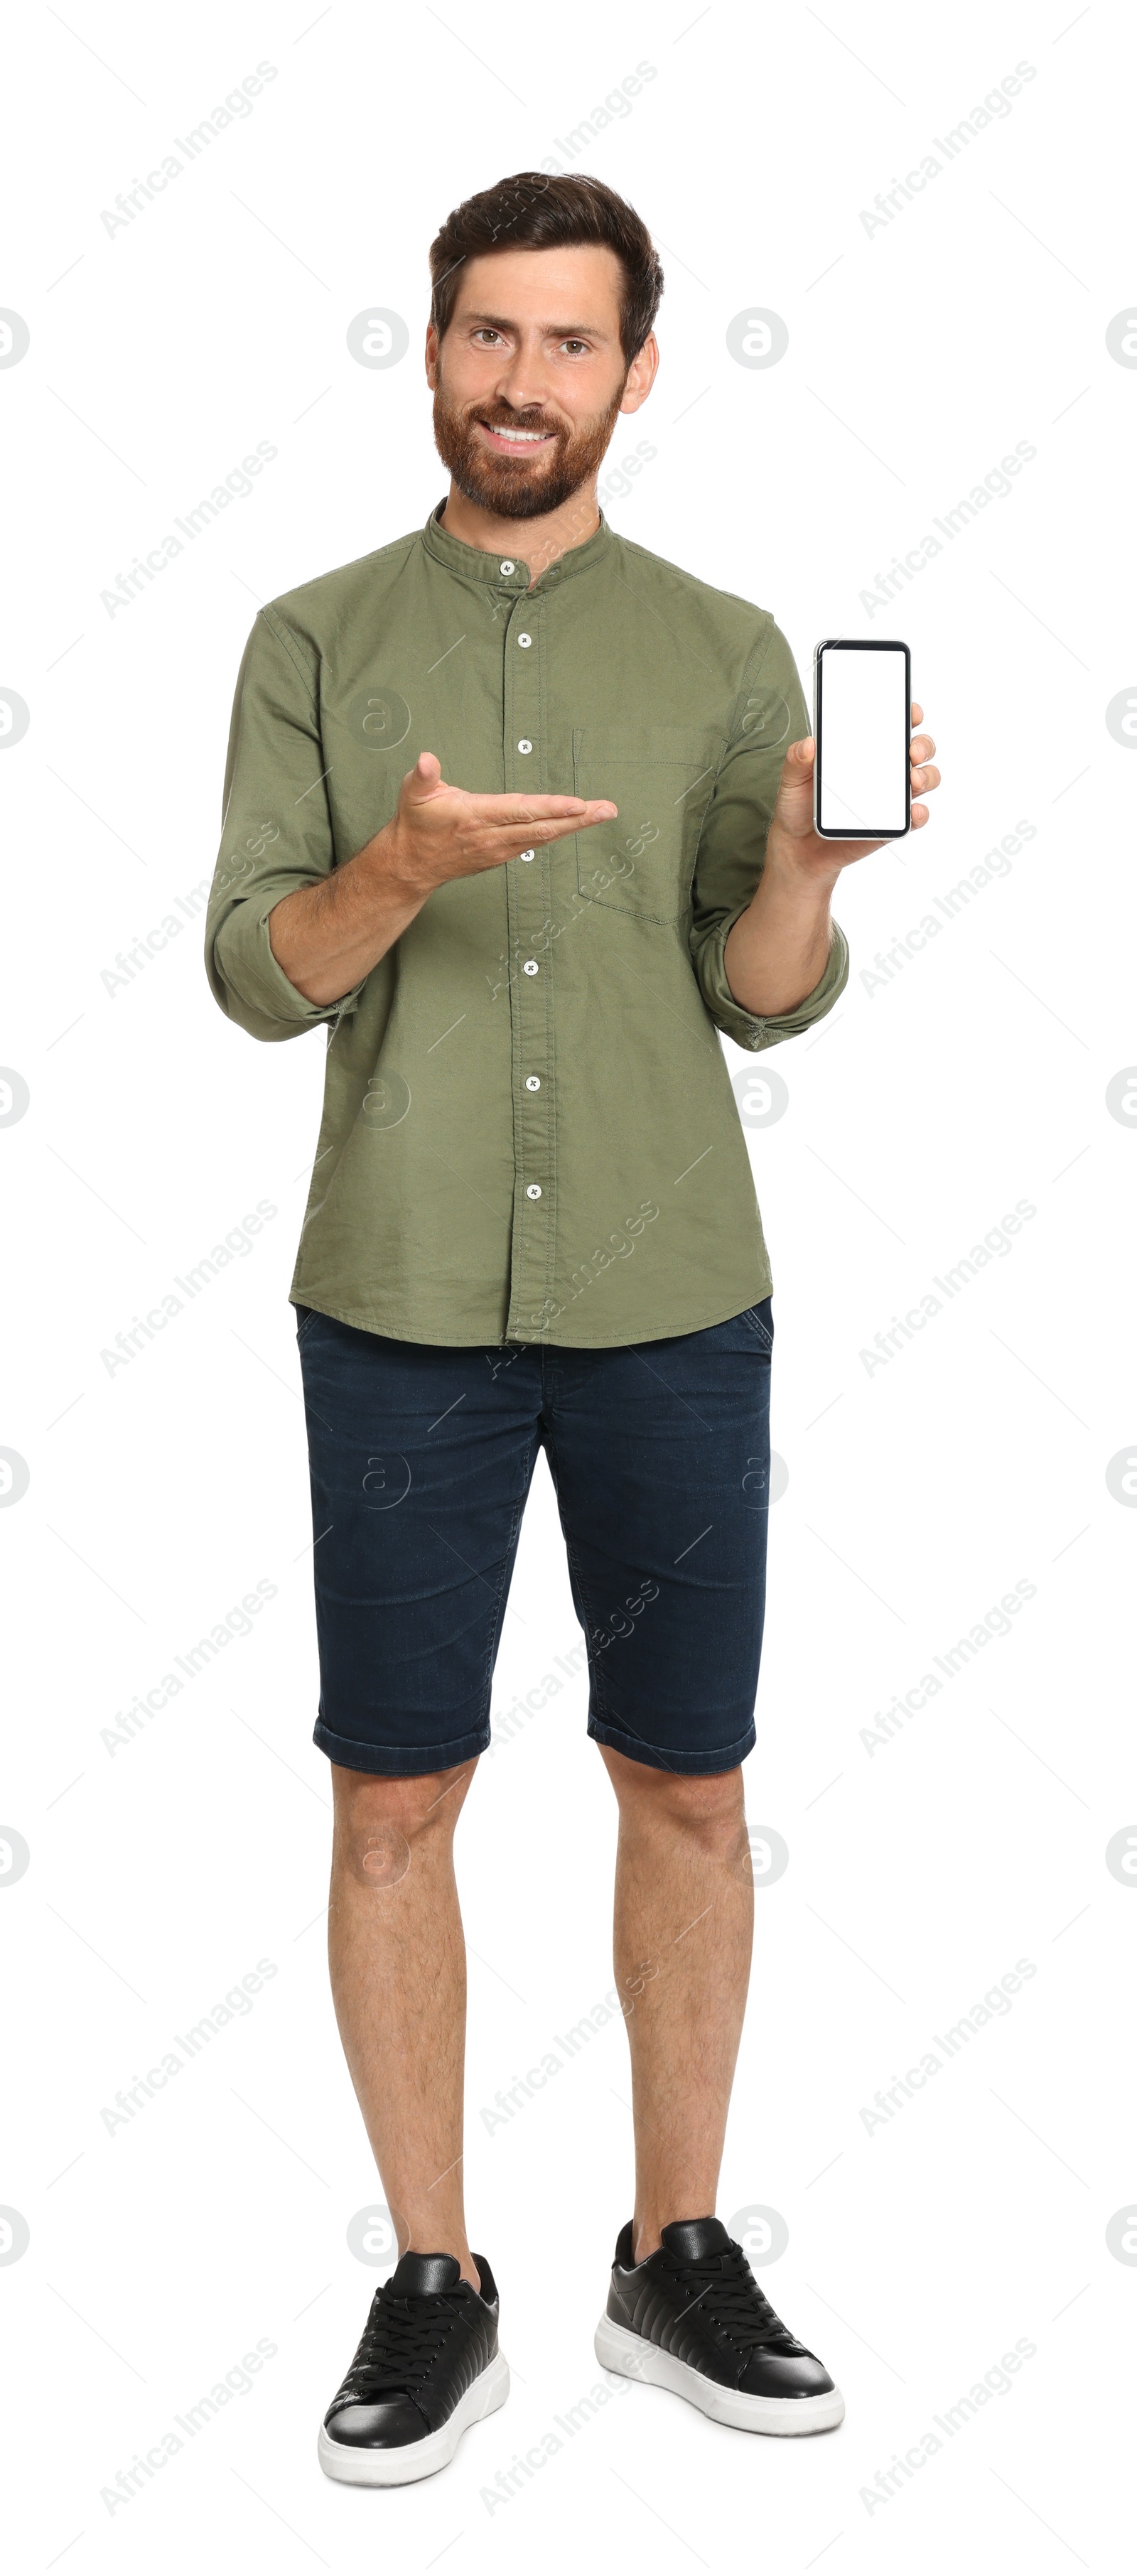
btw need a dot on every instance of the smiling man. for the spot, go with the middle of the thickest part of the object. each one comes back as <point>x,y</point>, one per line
<point>522,815</point>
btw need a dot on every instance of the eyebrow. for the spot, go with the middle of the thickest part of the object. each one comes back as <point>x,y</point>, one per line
<point>554,330</point>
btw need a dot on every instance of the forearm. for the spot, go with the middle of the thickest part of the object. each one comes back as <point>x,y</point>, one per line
<point>327,937</point>
<point>778,949</point>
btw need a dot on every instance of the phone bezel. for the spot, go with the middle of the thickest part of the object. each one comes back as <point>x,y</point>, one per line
<point>857,644</point>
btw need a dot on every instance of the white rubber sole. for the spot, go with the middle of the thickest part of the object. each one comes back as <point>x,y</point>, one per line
<point>398,2468</point>
<point>635,2358</point>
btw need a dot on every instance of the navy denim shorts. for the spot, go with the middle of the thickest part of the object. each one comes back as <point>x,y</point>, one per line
<point>421,1460</point>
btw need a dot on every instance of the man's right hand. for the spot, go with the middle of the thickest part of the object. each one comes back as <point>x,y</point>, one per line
<point>440,832</point>
<point>327,937</point>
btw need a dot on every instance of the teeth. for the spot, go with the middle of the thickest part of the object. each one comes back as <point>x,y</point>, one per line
<point>515,434</point>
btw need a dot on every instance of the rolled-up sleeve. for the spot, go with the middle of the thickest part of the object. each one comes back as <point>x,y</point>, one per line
<point>276,832</point>
<point>770,714</point>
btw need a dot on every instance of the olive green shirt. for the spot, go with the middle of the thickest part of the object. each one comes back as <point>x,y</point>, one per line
<point>529,1132</point>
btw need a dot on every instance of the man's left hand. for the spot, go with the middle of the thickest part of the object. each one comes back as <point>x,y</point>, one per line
<point>792,841</point>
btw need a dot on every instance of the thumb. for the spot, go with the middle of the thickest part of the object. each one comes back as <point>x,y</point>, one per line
<point>422,781</point>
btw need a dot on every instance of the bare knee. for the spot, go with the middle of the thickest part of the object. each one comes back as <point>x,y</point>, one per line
<point>707,1810</point>
<point>380,1822</point>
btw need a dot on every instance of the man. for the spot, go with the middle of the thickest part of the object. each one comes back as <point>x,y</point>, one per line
<point>523,815</point>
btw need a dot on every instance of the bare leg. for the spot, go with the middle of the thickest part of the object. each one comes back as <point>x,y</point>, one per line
<point>398,1970</point>
<point>684,1918</point>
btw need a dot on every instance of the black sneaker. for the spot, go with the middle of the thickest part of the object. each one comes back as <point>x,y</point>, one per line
<point>427,2367</point>
<point>693,2319</point>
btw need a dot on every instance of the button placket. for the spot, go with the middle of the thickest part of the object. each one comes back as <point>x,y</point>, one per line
<point>530,986</point>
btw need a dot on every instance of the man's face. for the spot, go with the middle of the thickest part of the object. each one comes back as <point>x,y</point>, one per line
<point>531,378</point>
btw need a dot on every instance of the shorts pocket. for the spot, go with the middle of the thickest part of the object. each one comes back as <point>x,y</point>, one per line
<point>661,777</point>
<point>761,1323</point>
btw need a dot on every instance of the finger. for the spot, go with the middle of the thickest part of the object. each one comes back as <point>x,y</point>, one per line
<point>523,810</point>
<point>917,713</point>
<point>919,815</point>
<point>506,841</point>
<point>923,781</point>
<point>922,748</point>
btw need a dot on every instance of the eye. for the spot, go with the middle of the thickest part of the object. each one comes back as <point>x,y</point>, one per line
<point>574,345</point>
<point>486,332</point>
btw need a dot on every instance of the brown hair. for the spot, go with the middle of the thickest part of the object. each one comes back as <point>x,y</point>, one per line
<point>533,211</point>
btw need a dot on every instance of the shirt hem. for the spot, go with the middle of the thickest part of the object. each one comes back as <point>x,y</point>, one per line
<point>452,1338</point>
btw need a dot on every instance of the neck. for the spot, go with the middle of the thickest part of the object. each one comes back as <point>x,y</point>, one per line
<point>537,541</point>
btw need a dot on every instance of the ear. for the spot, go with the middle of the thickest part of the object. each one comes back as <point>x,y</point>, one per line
<point>641,375</point>
<point>431,356</point>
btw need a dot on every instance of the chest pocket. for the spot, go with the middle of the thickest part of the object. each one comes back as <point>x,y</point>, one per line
<point>661,777</point>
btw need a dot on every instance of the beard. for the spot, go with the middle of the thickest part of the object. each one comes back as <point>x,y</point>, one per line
<point>520,487</point>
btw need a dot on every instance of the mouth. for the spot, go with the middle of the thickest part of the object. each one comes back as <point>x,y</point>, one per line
<point>516,442</point>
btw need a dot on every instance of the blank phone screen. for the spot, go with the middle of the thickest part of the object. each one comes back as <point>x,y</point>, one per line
<point>863,731</point>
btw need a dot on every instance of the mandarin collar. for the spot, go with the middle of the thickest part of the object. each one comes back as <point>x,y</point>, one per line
<point>472,563</point>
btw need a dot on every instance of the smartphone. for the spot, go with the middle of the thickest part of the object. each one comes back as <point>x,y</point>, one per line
<point>862,730</point>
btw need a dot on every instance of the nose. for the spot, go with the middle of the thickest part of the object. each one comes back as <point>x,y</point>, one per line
<point>523,383</point>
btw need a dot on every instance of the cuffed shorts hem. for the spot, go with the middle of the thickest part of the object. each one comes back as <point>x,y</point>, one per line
<point>397,1761</point>
<point>693,1765</point>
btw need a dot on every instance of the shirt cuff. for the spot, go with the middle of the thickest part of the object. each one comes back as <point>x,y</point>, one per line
<point>256,992</point>
<point>741,1025</point>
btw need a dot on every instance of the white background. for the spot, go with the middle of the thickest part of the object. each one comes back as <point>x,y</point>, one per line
<point>973,1077</point>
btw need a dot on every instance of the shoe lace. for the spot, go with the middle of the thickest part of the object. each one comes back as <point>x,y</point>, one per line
<point>725,2292</point>
<point>399,2343</point>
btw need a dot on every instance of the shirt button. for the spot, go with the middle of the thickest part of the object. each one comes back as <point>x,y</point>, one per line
<point>525,642</point>
<point>508,567</point>
<point>533,1191</point>
<point>530,967</point>
<point>528,854</point>
<point>525,744</point>
<point>532,1082</point>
